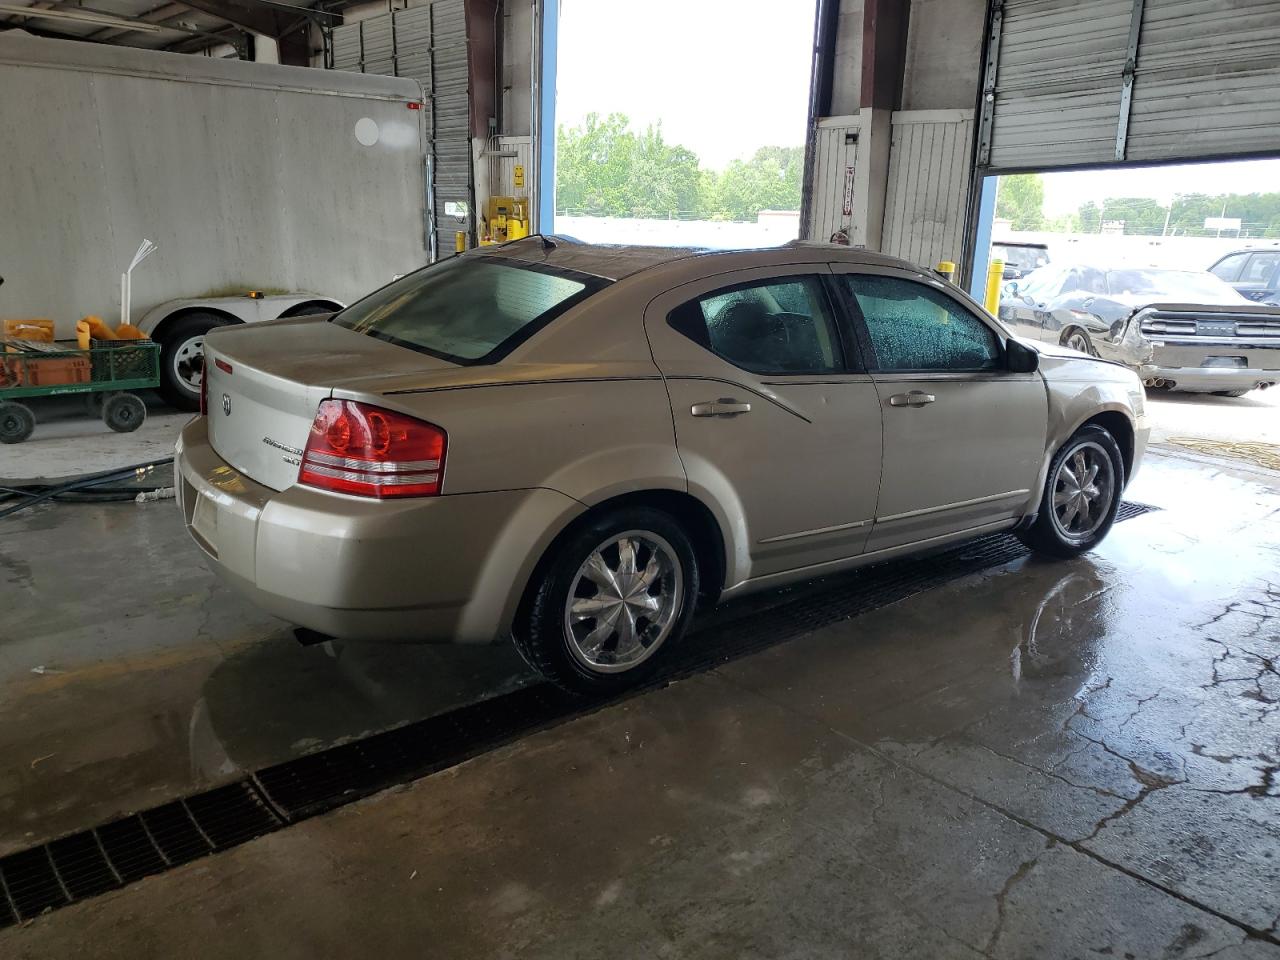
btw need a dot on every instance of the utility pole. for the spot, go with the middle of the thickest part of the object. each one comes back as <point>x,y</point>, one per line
<point>1167,212</point>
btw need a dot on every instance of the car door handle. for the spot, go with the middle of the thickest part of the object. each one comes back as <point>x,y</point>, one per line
<point>724,407</point>
<point>916,398</point>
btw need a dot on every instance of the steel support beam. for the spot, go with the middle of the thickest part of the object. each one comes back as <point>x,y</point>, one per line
<point>1130,70</point>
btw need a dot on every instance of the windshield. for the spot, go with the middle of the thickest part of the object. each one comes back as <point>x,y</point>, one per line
<point>468,309</point>
<point>1175,286</point>
<point>1024,258</point>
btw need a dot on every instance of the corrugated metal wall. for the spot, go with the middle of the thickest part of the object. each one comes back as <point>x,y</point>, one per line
<point>929,164</point>
<point>1204,84</point>
<point>502,180</point>
<point>1208,79</point>
<point>1058,79</point>
<point>835,161</point>
<point>427,43</point>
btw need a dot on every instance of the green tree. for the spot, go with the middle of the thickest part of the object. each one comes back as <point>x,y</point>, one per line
<point>1021,201</point>
<point>605,169</point>
<point>1090,217</point>
<point>770,180</point>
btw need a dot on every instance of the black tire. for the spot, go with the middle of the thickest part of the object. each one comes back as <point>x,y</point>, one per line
<point>1229,393</point>
<point>1047,534</point>
<point>180,359</point>
<point>541,632</point>
<point>1076,333</point>
<point>16,421</point>
<point>124,412</point>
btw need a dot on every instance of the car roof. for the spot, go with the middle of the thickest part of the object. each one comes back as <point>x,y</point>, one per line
<point>616,261</point>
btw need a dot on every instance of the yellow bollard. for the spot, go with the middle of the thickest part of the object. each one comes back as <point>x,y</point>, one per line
<point>947,269</point>
<point>995,278</point>
<point>460,241</point>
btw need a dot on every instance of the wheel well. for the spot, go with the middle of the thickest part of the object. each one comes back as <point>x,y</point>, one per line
<point>1070,329</point>
<point>698,521</point>
<point>298,309</point>
<point>158,332</point>
<point>1118,425</point>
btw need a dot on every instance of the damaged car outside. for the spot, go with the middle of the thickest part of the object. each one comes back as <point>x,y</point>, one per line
<point>1183,330</point>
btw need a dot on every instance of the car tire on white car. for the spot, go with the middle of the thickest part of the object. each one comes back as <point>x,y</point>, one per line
<point>1081,495</point>
<point>182,357</point>
<point>608,599</point>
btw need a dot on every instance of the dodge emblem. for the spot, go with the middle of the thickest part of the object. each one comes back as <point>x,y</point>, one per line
<point>226,404</point>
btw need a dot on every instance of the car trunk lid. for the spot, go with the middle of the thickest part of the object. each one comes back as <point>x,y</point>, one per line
<point>265,381</point>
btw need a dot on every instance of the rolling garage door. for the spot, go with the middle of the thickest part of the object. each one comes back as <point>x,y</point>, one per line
<point>1081,82</point>
<point>427,43</point>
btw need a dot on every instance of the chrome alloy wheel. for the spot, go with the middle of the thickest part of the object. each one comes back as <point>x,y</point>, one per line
<point>1083,491</point>
<point>1079,341</point>
<point>188,363</point>
<point>623,602</point>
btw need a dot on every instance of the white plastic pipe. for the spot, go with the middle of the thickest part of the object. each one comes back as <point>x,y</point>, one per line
<point>145,249</point>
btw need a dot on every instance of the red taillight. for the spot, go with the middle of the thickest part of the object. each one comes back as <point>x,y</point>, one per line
<point>370,452</point>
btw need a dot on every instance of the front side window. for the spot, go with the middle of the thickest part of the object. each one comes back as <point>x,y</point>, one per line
<point>780,326</point>
<point>1228,267</point>
<point>468,309</point>
<point>914,327</point>
<point>1260,268</point>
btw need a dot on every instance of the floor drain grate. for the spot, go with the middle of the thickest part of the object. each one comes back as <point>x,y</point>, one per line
<point>107,857</point>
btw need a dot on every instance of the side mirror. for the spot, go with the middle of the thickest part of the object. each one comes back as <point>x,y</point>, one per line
<point>1019,358</point>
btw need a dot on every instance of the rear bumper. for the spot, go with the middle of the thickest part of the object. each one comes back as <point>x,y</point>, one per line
<point>445,569</point>
<point>1209,379</point>
<point>1182,362</point>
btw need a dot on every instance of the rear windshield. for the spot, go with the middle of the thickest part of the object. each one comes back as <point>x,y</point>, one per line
<point>1187,286</point>
<point>468,310</point>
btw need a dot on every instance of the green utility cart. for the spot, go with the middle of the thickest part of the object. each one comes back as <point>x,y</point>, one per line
<point>106,374</point>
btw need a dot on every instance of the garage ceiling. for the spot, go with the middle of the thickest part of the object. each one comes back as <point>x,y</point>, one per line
<point>182,25</point>
<point>1091,82</point>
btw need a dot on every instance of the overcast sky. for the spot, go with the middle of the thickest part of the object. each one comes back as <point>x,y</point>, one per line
<point>1065,192</point>
<point>727,76</point>
<point>723,76</point>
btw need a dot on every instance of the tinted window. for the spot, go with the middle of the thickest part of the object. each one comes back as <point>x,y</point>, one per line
<point>769,326</point>
<point>913,327</point>
<point>467,309</point>
<point>1260,268</point>
<point>1024,259</point>
<point>1228,267</point>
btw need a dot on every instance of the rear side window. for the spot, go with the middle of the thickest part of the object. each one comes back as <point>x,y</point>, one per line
<point>468,309</point>
<point>913,327</point>
<point>776,326</point>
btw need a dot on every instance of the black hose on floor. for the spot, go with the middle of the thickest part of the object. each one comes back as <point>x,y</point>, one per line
<point>71,490</point>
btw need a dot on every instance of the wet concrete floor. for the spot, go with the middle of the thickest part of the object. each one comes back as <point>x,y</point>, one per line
<point>1045,760</point>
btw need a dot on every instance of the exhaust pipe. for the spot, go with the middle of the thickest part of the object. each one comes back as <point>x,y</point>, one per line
<point>310,638</point>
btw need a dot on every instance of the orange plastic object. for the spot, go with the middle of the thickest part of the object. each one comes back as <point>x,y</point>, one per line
<point>24,329</point>
<point>127,331</point>
<point>50,372</point>
<point>83,335</point>
<point>99,330</point>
